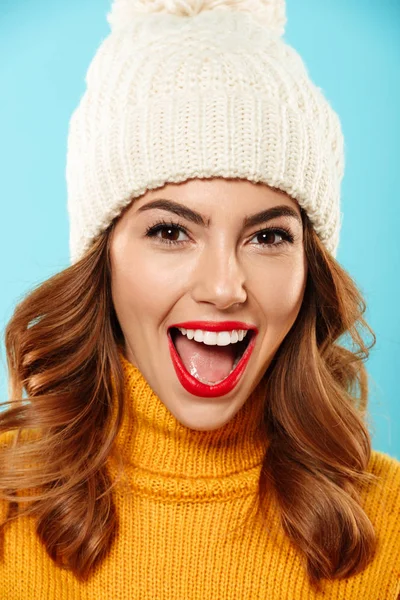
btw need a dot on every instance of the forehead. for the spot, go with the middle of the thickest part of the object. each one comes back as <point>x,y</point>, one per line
<point>219,194</point>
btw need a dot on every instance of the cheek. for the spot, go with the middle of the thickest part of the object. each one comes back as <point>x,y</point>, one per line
<point>280,293</point>
<point>141,289</point>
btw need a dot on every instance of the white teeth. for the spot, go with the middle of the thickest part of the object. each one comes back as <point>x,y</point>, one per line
<point>223,338</point>
<point>198,335</point>
<point>209,337</point>
<point>213,338</point>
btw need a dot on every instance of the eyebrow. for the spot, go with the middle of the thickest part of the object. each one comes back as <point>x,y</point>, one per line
<point>250,221</point>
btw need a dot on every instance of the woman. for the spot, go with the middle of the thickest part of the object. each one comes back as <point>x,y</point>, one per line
<point>197,416</point>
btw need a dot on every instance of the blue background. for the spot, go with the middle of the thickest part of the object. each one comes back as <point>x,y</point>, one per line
<point>352,51</point>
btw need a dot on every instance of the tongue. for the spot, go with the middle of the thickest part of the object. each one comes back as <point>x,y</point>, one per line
<point>209,363</point>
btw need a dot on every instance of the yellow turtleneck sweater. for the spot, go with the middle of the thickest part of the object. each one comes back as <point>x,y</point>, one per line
<point>178,536</point>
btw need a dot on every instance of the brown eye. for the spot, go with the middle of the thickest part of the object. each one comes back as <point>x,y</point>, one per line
<point>167,233</point>
<point>170,233</point>
<point>273,238</point>
<point>268,237</point>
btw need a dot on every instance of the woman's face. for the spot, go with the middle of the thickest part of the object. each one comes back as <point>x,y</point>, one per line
<point>216,255</point>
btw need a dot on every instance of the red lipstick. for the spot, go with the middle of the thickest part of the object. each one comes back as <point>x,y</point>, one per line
<point>215,325</point>
<point>193,385</point>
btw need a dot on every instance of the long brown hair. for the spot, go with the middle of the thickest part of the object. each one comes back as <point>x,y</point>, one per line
<point>62,346</point>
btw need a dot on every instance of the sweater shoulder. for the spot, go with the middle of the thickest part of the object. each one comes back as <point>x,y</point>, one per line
<point>386,469</point>
<point>7,437</point>
<point>380,500</point>
<point>7,440</point>
<point>382,462</point>
<point>384,491</point>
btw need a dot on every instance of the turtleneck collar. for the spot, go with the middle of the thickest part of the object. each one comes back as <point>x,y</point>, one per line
<point>157,445</point>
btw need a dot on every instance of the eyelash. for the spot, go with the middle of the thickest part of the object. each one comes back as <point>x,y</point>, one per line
<point>153,230</point>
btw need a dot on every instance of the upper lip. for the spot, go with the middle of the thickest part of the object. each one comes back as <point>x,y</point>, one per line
<point>216,325</point>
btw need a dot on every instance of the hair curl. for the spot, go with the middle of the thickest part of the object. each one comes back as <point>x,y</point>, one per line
<point>62,346</point>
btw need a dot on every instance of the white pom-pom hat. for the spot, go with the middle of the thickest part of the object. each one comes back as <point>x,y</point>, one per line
<point>199,88</point>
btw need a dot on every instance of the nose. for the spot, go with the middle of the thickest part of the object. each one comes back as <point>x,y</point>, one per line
<point>219,279</point>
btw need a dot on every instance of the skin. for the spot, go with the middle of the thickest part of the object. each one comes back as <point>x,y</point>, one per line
<point>218,272</point>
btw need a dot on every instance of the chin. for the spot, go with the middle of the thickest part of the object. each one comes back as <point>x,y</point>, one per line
<point>203,417</point>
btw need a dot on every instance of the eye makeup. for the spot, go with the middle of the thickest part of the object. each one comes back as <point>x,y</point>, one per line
<point>175,228</point>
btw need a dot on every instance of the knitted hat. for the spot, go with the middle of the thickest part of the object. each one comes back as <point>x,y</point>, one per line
<point>185,89</point>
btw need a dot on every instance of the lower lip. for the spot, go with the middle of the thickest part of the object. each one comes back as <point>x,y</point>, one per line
<point>196,387</point>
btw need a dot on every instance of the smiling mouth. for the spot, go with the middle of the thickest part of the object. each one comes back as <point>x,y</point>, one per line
<point>209,364</point>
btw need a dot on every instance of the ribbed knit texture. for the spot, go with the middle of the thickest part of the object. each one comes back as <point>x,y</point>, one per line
<point>183,535</point>
<point>184,89</point>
